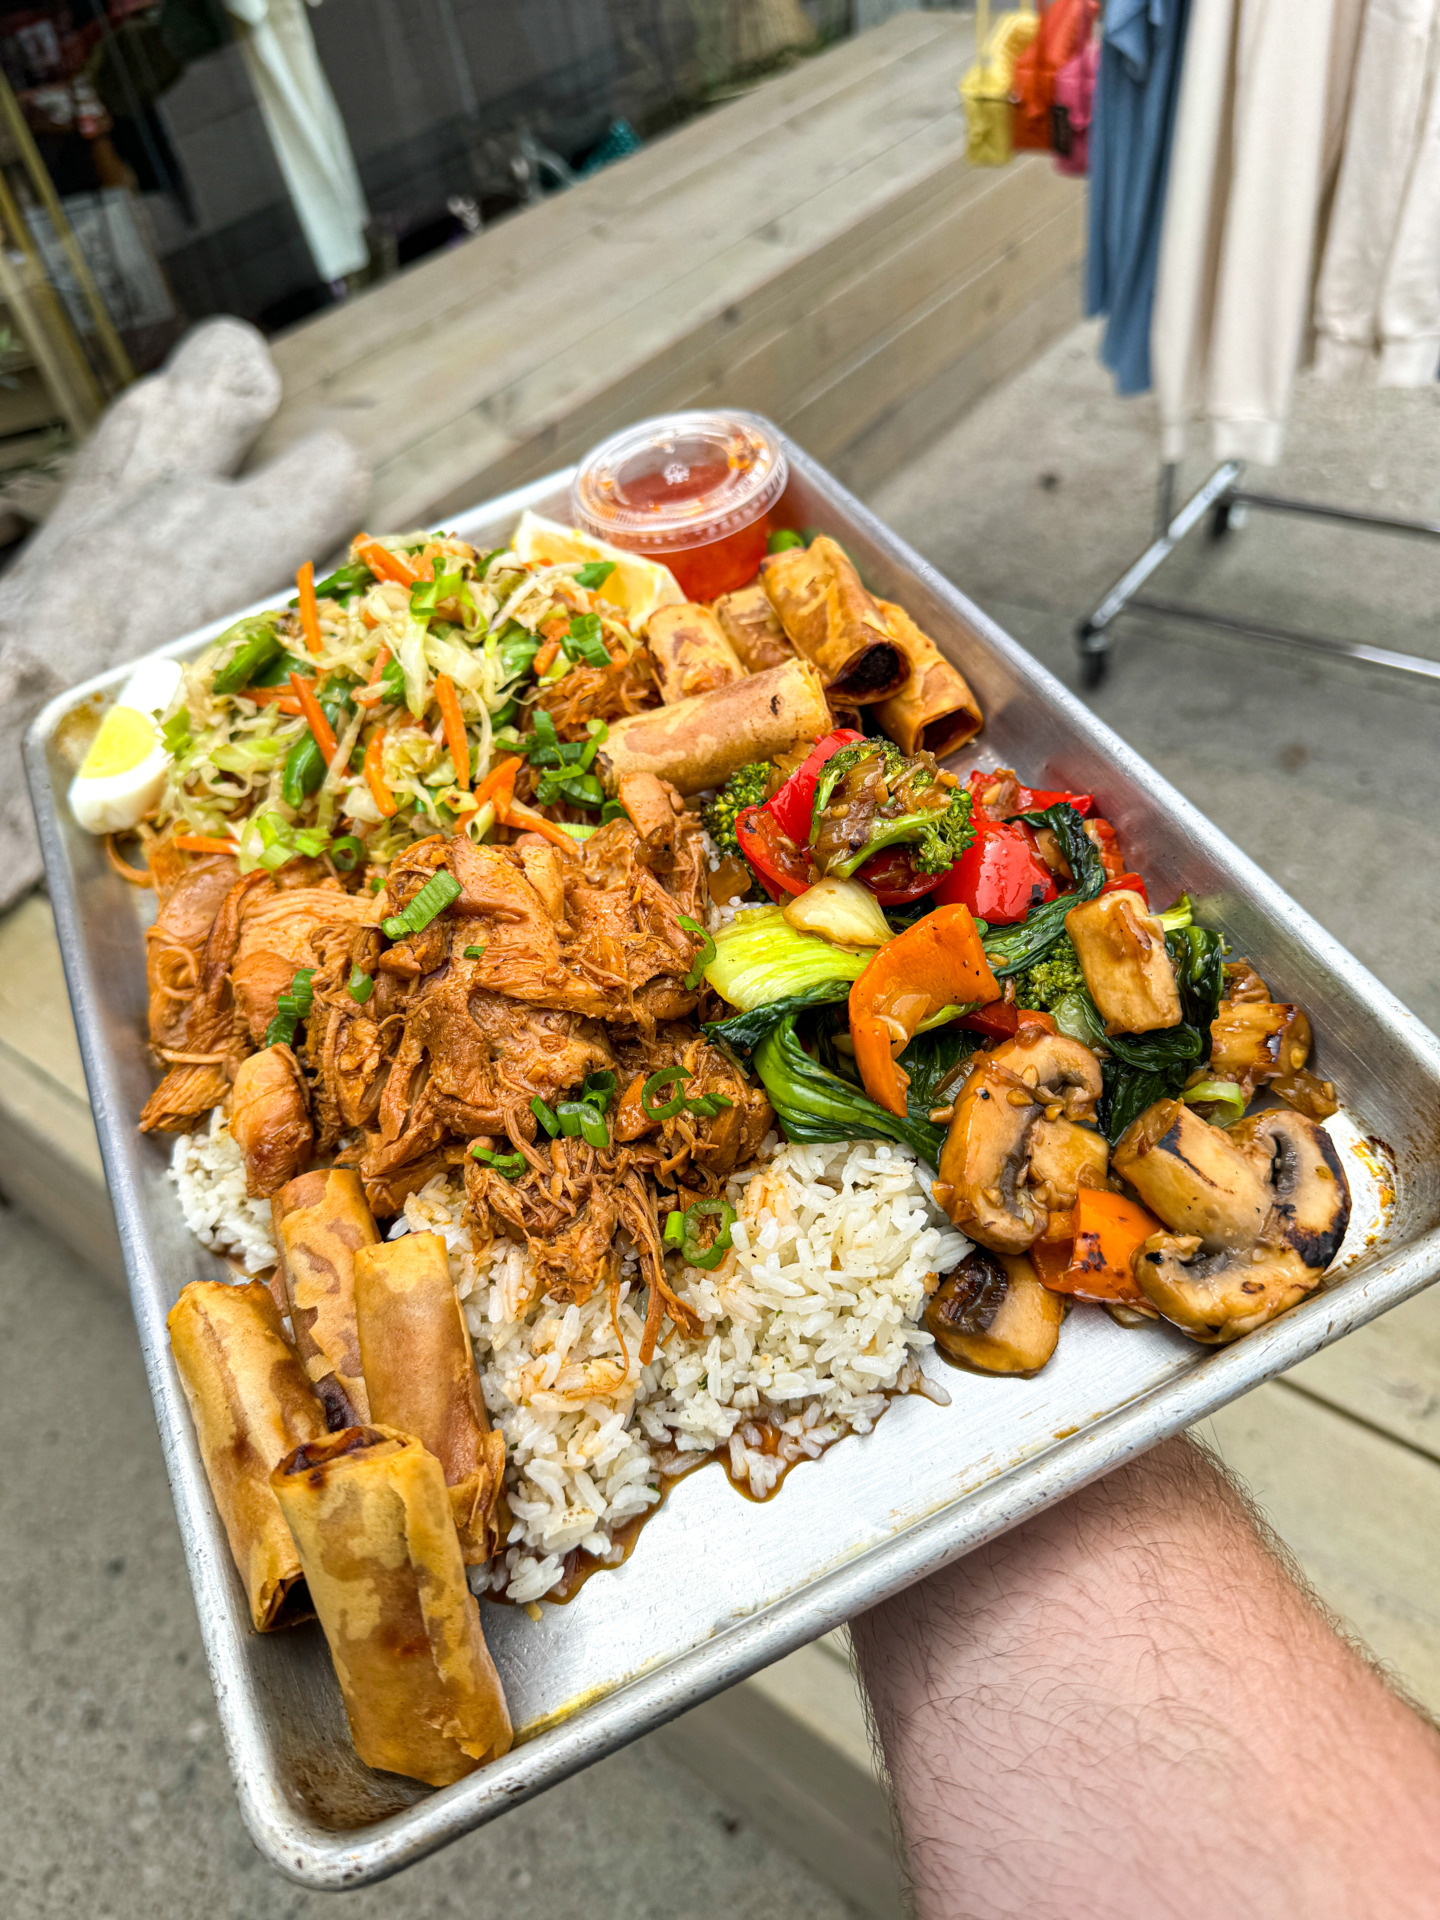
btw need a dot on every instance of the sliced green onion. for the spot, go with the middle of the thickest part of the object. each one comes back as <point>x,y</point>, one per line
<point>708,1105</point>
<point>291,1008</point>
<point>1223,1093</point>
<point>594,574</point>
<point>612,810</point>
<point>545,1116</point>
<point>705,955</point>
<point>504,1163</point>
<point>582,641</point>
<point>674,1229</point>
<point>579,1117</point>
<point>347,852</point>
<point>656,1084</point>
<point>175,734</point>
<point>473,953</point>
<point>707,1257</point>
<point>599,1088</point>
<point>360,985</point>
<point>436,894</point>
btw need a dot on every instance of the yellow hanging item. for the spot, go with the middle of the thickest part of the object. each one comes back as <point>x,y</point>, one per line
<point>985,89</point>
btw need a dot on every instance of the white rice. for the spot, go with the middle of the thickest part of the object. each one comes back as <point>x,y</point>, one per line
<point>808,1325</point>
<point>209,1173</point>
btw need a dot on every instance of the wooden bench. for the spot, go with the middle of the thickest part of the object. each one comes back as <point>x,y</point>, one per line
<point>817,250</point>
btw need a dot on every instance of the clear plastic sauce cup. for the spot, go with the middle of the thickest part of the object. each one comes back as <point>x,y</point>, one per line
<point>691,490</point>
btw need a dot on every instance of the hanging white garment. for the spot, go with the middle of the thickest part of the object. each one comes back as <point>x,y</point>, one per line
<point>1247,178</point>
<point>1379,285</point>
<point>305,130</point>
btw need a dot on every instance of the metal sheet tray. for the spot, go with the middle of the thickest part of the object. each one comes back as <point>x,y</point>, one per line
<point>719,1586</point>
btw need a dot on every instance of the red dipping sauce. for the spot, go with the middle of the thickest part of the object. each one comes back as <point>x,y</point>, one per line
<point>691,490</point>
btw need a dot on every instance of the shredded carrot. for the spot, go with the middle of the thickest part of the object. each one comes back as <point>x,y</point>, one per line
<point>368,617</point>
<point>516,815</point>
<point>387,565</point>
<point>375,774</point>
<point>501,777</point>
<point>545,658</point>
<point>203,843</point>
<point>280,697</point>
<point>382,660</point>
<point>456,738</point>
<point>309,612</point>
<point>320,728</point>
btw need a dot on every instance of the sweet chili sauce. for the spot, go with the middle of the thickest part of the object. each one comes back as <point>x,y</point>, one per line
<point>690,490</point>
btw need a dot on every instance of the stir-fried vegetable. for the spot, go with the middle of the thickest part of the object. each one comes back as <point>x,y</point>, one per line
<point>760,958</point>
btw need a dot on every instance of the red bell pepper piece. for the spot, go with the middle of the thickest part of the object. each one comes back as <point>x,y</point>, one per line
<point>792,805</point>
<point>1017,799</point>
<point>781,865</point>
<point>894,879</point>
<point>1002,1018</point>
<point>1106,843</point>
<point>1000,876</point>
<point>1130,883</point>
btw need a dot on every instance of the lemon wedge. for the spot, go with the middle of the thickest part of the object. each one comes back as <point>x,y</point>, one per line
<point>637,586</point>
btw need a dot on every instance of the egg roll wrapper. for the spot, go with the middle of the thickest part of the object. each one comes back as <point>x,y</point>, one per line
<point>252,1404</point>
<point>690,651</point>
<point>371,1517</point>
<point>753,628</point>
<point>421,1379</point>
<point>699,742</point>
<point>321,1222</point>
<point>834,622</point>
<point>935,708</point>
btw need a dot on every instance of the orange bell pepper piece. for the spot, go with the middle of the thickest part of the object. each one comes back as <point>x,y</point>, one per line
<point>1108,1231</point>
<point>939,962</point>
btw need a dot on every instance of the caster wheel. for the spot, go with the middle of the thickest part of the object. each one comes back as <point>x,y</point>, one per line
<point>1220,519</point>
<point>1093,669</point>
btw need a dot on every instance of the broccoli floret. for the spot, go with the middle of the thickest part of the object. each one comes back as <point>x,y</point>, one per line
<point>1043,986</point>
<point>748,786</point>
<point>900,802</point>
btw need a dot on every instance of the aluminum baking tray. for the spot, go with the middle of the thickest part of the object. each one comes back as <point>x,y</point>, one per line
<point>719,1586</point>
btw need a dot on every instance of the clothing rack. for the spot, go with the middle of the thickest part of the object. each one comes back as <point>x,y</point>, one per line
<point>1228,504</point>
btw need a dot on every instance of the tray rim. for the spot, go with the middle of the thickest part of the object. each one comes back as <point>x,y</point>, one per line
<point>324,1858</point>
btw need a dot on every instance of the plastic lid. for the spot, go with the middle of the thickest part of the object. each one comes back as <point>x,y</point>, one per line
<point>683,480</point>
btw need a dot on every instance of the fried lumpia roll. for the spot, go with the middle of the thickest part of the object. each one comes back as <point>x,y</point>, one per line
<point>252,1403</point>
<point>700,742</point>
<point>753,628</point>
<point>371,1517</point>
<point>833,621</point>
<point>420,1376</point>
<point>690,651</point>
<point>321,1223</point>
<point>935,708</point>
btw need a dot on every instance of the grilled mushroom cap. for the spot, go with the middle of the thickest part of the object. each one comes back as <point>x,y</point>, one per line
<point>1217,1297</point>
<point>986,1156</point>
<point>992,1313</point>
<point>1311,1195</point>
<point>1194,1176</point>
<point>1064,1157</point>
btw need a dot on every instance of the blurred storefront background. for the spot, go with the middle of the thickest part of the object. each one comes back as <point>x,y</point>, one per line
<point>267,158</point>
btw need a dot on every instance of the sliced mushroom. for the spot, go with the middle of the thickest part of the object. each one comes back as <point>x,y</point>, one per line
<point>1064,1157</point>
<point>1209,1277</point>
<point>1256,1041</point>
<point>1217,1297</point>
<point>1126,966</point>
<point>985,1162</point>
<point>1310,1193</point>
<point>992,1313</point>
<point>1194,1176</point>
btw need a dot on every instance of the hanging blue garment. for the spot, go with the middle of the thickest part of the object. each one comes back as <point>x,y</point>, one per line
<point>1141,46</point>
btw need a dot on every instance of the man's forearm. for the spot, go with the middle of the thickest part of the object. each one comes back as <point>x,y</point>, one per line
<point>1127,1708</point>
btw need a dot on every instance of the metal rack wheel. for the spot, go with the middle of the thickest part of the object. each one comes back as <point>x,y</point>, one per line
<point>1224,520</point>
<point>1094,655</point>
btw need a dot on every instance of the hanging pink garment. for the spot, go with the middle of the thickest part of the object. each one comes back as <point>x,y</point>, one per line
<point>1074,92</point>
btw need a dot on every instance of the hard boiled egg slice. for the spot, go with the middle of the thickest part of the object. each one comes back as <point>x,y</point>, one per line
<point>123,775</point>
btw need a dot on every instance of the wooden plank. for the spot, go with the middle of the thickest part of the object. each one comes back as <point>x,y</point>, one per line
<point>669,169</point>
<point>1387,1374</point>
<point>1360,1512</point>
<point>788,1748</point>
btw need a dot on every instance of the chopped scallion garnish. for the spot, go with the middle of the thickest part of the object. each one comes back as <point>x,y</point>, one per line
<point>436,894</point>
<point>360,985</point>
<point>704,956</point>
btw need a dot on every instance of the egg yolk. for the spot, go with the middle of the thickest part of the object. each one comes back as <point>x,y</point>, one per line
<point>124,740</point>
